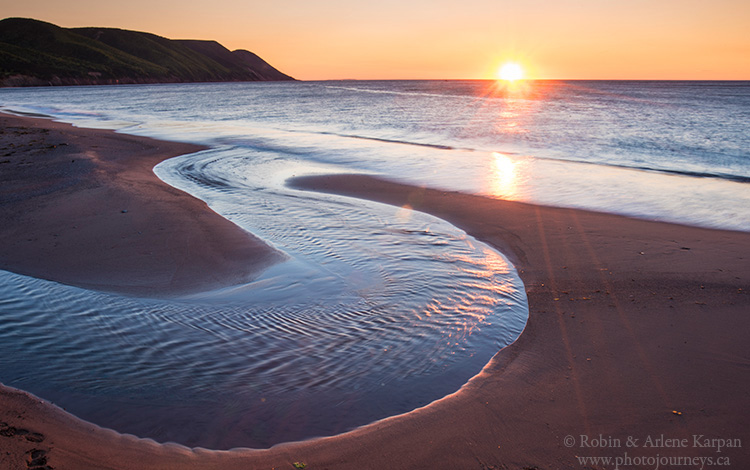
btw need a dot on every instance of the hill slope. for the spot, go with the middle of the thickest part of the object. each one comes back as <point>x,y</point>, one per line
<point>36,53</point>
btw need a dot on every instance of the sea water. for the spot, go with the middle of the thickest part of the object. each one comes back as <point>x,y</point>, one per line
<point>673,151</point>
<point>378,310</point>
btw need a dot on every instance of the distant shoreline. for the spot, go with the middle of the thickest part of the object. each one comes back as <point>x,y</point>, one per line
<point>636,328</point>
<point>22,81</point>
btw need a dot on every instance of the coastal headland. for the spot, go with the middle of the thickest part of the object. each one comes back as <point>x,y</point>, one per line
<point>637,330</point>
<point>37,53</point>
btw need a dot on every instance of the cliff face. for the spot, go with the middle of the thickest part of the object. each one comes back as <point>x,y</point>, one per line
<point>35,53</point>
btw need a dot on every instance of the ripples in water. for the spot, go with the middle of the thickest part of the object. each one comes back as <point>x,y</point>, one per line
<point>378,311</point>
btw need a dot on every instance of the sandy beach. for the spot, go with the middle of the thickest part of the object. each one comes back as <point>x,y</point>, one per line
<point>636,344</point>
<point>83,207</point>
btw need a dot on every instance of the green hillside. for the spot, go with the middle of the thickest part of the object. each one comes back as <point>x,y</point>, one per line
<point>37,53</point>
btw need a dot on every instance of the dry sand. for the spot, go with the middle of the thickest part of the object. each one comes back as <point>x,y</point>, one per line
<point>637,332</point>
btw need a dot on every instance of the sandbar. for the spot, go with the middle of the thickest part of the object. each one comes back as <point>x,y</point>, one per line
<point>83,207</point>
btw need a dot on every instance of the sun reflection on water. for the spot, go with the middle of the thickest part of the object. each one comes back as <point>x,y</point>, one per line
<point>503,177</point>
<point>479,296</point>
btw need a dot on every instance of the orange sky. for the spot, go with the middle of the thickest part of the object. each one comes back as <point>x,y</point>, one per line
<point>451,39</point>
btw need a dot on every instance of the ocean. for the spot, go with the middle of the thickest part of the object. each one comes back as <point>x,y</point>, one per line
<point>674,151</point>
<point>379,310</point>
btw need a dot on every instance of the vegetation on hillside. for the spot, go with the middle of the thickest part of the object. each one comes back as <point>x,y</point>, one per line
<point>33,52</point>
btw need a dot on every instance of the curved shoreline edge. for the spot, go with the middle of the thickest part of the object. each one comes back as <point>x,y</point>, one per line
<point>636,329</point>
<point>83,207</point>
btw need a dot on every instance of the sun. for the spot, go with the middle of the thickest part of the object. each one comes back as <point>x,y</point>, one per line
<point>510,71</point>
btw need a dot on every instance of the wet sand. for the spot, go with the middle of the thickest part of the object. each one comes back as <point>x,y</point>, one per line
<point>637,332</point>
<point>83,207</point>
